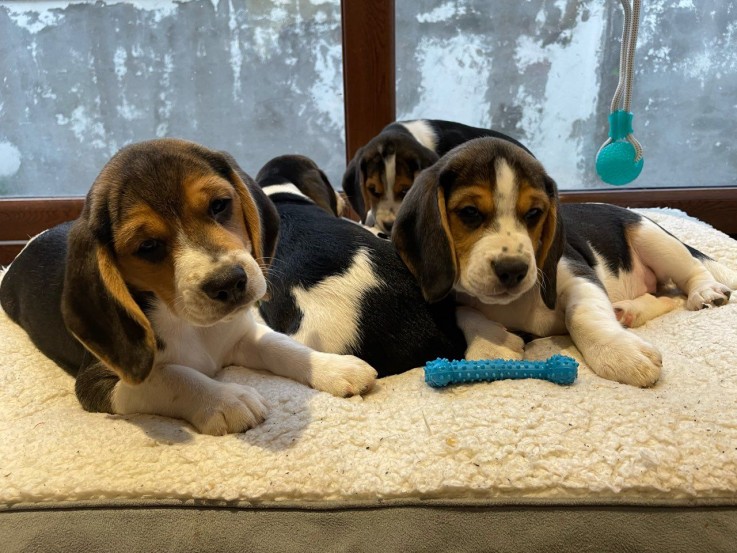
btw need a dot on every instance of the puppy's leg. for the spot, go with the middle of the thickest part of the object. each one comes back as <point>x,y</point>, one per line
<point>340,375</point>
<point>487,339</point>
<point>176,391</point>
<point>636,312</point>
<point>669,258</point>
<point>611,351</point>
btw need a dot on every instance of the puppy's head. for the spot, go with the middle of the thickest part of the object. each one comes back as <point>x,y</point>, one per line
<point>485,220</point>
<point>170,219</point>
<point>386,168</point>
<point>304,174</point>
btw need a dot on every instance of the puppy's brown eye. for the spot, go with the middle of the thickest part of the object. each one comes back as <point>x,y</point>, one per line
<point>402,193</point>
<point>220,208</point>
<point>374,192</point>
<point>151,250</point>
<point>470,216</point>
<point>533,216</point>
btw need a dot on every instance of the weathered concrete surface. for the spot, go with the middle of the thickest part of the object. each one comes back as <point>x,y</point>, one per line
<point>80,80</point>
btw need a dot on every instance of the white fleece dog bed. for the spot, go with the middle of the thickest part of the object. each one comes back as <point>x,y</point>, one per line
<point>505,442</point>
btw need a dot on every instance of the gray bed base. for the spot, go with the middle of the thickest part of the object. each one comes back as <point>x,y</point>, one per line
<point>404,526</point>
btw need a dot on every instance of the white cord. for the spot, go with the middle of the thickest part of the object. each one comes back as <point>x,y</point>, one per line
<point>623,94</point>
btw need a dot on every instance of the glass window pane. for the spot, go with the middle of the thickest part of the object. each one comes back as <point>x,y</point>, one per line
<point>545,72</point>
<point>80,79</point>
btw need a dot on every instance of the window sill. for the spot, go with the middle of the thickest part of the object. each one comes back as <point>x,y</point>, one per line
<point>22,218</point>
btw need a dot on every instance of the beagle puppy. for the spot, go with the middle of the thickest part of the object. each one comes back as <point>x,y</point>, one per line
<point>337,287</point>
<point>485,222</point>
<point>156,280</point>
<point>381,173</point>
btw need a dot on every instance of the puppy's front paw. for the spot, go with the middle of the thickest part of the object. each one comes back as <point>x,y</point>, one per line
<point>229,408</point>
<point>487,339</point>
<point>712,294</point>
<point>627,359</point>
<point>341,375</point>
<point>510,347</point>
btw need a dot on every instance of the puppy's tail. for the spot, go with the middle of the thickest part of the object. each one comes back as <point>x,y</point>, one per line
<point>340,202</point>
<point>720,272</point>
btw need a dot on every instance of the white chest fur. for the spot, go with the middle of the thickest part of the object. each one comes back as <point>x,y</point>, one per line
<point>205,349</point>
<point>526,314</point>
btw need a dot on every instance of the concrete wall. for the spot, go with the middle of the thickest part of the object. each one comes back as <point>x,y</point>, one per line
<point>79,79</point>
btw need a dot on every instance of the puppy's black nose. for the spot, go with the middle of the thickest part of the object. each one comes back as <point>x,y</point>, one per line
<point>387,226</point>
<point>510,271</point>
<point>227,286</point>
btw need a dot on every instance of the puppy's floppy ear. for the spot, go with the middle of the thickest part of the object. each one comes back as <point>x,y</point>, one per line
<point>97,307</point>
<point>332,194</point>
<point>422,236</point>
<point>352,186</point>
<point>424,157</point>
<point>268,222</point>
<point>551,248</point>
<point>324,193</point>
<point>259,212</point>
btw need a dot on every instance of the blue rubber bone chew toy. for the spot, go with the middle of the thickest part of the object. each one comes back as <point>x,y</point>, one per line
<point>620,159</point>
<point>559,369</point>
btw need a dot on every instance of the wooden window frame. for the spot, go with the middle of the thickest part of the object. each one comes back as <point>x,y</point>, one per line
<point>369,69</point>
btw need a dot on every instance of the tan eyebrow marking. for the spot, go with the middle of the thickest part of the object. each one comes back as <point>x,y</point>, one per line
<point>140,221</point>
<point>200,190</point>
<point>529,197</point>
<point>477,194</point>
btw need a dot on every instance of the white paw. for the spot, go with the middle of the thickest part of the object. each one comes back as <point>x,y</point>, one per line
<point>508,346</point>
<point>712,294</point>
<point>627,359</point>
<point>341,375</point>
<point>636,312</point>
<point>229,408</point>
<point>628,314</point>
<point>487,339</point>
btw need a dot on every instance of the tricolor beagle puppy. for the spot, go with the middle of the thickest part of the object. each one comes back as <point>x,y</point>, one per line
<point>485,222</point>
<point>337,287</point>
<point>382,172</point>
<point>156,280</point>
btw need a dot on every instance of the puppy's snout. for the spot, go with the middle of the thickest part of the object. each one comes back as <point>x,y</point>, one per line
<point>511,271</point>
<point>227,286</point>
<point>387,225</point>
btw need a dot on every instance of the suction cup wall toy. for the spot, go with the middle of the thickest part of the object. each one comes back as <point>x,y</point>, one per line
<point>620,159</point>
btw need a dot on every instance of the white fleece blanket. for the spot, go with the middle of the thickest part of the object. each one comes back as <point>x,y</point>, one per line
<point>505,441</point>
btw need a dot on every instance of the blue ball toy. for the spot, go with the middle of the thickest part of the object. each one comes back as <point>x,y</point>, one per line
<point>616,163</point>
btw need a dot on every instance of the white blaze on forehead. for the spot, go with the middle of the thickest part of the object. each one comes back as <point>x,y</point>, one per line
<point>423,133</point>
<point>506,193</point>
<point>390,174</point>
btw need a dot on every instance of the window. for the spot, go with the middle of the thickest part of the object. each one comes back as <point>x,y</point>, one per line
<point>83,78</point>
<point>545,72</point>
